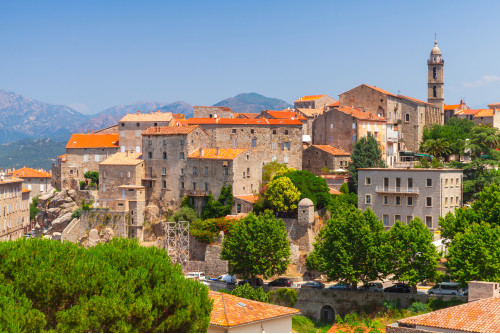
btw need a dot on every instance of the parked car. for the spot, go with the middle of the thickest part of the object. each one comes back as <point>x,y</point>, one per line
<point>281,282</point>
<point>372,287</point>
<point>229,279</point>
<point>198,274</point>
<point>341,286</point>
<point>399,288</point>
<point>445,288</point>
<point>312,285</point>
<point>258,282</point>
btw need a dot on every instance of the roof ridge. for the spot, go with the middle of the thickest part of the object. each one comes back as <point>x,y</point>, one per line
<point>225,309</point>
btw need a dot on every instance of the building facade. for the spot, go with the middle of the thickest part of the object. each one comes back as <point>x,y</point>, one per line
<point>313,101</point>
<point>316,158</point>
<point>405,193</point>
<point>37,181</point>
<point>131,126</point>
<point>14,208</point>
<point>212,112</point>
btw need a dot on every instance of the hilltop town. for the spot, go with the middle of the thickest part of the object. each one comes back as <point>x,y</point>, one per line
<point>387,162</point>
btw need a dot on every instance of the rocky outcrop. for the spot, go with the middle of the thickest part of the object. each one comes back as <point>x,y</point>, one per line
<point>95,237</point>
<point>56,210</point>
<point>60,223</point>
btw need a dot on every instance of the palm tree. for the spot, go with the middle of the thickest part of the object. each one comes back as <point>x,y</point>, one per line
<point>437,147</point>
<point>483,138</point>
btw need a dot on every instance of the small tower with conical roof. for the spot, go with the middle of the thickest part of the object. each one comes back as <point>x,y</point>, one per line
<point>435,82</point>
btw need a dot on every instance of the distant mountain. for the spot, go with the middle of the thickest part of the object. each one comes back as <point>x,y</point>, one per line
<point>252,103</point>
<point>23,117</point>
<point>34,153</point>
<point>112,115</point>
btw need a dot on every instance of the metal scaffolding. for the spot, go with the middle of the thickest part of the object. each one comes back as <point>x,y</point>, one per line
<point>177,242</point>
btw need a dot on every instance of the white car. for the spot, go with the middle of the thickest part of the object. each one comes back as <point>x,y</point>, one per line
<point>445,288</point>
<point>229,279</point>
<point>198,274</point>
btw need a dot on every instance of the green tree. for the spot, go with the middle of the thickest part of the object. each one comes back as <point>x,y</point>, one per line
<point>483,139</point>
<point>365,154</point>
<point>412,255</point>
<point>93,176</point>
<point>477,175</point>
<point>475,254</point>
<point>220,208</point>
<point>282,195</point>
<point>437,147</point>
<point>186,214</point>
<point>113,287</point>
<point>248,292</point>
<point>257,245</point>
<point>345,198</point>
<point>272,169</point>
<point>310,186</point>
<point>351,247</point>
<point>34,208</point>
<point>455,131</point>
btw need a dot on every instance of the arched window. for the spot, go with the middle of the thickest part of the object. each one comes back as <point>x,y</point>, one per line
<point>434,72</point>
<point>434,91</point>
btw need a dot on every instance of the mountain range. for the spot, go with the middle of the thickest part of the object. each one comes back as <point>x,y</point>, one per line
<point>22,117</point>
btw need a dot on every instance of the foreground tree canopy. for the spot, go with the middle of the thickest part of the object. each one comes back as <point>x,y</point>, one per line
<point>114,287</point>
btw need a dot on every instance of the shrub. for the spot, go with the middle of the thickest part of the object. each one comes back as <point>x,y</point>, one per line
<point>113,287</point>
<point>418,307</point>
<point>208,230</point>
<point>83,184</point>
<point>283,296</point>
<point>77,213</point>
<point>186,214</point>
<point>34,208</point>
<point>246,291</point>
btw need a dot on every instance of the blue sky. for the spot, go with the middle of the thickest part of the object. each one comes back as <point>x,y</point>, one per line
<point>96,54</point>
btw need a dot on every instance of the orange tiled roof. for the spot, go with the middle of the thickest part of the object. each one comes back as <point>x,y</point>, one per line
<point>493,105</point>
<point>26,172</point>
<point>211,153</point>
<point>248,198</point>
<point>80,140</point>
<point>229,310</point>
<point>25,190</point>
<point>153,116</point>
<point>451,106</point>
<point>62,156</point>
<point>311,112</point>
<point>332,150</point>
<point>309,98</point>
<point>469,112</point>
<point>334,104</point>
<point>10,180</point>
<point>244,121</point>
<point>123,158</point>
<point>383,91</point>
<point>247,115</point>
<point>237,216</point>
<point>334,191</point>
<point>481,316</point>
<point>413,99</point>
<point>178,116</point>
<point>169,130</point>
<point>285,114</point>
<point>360,114</point>
<point>485,113</point>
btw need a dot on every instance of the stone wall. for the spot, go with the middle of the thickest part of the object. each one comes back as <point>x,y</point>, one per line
<point>72,232</point>
<point>94,218</point>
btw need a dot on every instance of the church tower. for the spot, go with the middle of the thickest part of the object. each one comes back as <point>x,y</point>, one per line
<point>435,82</point>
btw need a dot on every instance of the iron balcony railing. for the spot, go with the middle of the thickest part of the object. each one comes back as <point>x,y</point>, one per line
<point>397,190</point>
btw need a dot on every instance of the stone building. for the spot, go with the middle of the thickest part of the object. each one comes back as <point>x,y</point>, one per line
<point>166,151</point>
<point>212,112</point>
<point>313,101</point>
<point>37,181</point>
<point>310,115</point>
<point>316,157</point>
<point>84,152</point>
<point>131,126</point>
<point>435,83</point>
<point>481,116</point>
<point>243,204</point>
<point>343,126</point>
<point>405,193</point>
<point>289,114</point>
<point>269,139</point>
<point>451,110</point>
<point>14,208</point>
<point>120,188</point>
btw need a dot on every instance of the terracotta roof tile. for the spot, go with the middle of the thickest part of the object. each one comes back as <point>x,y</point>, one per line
<point>62,156</point>
<point>383,91</point>
<point>485,113</point>
<point>237,216</point>
<point>360,114</point>
<point>169,130</point>
<point>285,114</point>
<point>494,105</point>
<point>309,98</point>
<point>469,112</point>
<point>451,106</point>
<point>244,121</point>
<point>80,140</point>
<point>332,150</point>
<point>481,316</point>
<point>153,116</point>
<point>248,198</point>
<point>25,190</point>
<point>334,104</point>
<point>11,180</point>
<point>123,158</point>
<point>310,112</point>
<point>178,116</point>
<point>229,310</point>
<point>211,153</point>
<point>334,191</point>
<point>26,172</point>
<point>414,99</point>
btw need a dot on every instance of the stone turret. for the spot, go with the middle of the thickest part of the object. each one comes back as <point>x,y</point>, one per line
<point>306,212</point>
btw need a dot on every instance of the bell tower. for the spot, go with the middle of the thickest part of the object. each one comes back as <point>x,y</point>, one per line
<point>435,82</point>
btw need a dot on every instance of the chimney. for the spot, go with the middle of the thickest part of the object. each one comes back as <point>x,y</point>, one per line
<point>479,290</point>
<point>138,112</point>
<point>217,151</point>
<point>201,153</point>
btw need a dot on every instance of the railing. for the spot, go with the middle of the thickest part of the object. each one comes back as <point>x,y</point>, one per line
<point>196,193</point>
<point>397,190</point>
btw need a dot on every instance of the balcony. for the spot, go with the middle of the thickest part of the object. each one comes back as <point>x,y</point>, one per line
<point>397,190</point>
<point>196,193</point>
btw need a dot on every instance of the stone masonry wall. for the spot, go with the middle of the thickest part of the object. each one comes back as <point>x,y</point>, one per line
<point>94,218</point>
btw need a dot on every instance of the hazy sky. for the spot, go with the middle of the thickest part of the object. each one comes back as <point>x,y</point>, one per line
<point>96,54</point>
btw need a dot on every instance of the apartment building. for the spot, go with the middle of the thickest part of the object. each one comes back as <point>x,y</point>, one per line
<point>14,208</point>
<point>269,139</point>
<point>132,125</point>
<point>37,181</point>
<point>405,193</point>
<point>84,152</point>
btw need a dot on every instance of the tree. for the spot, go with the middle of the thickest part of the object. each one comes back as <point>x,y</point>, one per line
<point>186,214</point>
<point>248,292</point>
<point>477,175</point>
<point>475,254</point>
<point>351,247</point>
<point>220,208</point>
<point>92,176</point>
<point>345,198</point>
<point>483,139</point>
<point>272,169</point>
<point>455,131</point>
<point>365,154</point>
<point>257,245</point>
<point>412,255</point>
<point>34,208</point>
<point>310,186</point>
<point>113,287</point>
<point>437,147</point>
<point>282,195</point>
